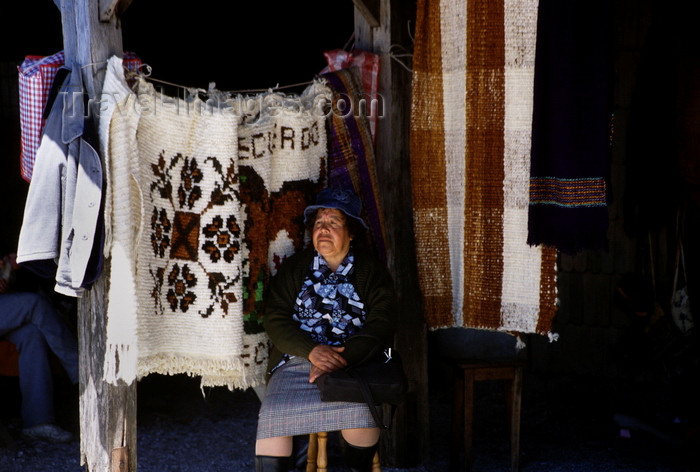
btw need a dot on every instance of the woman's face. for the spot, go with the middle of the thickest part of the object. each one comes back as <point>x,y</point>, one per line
<point>330,236</point>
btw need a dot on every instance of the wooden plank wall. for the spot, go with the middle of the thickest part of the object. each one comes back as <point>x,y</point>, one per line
<point>407,445</point>
<point>590,322</point>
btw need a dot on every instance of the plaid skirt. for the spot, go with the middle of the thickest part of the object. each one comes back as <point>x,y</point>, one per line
<point>292,406</point>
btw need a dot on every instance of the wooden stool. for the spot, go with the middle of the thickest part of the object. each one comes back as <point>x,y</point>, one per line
<point>465,374</point>
<point>6,439</point>
<point>317,459</point>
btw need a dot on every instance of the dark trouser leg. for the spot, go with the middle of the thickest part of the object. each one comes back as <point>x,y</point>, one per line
<point>21,309</point>
<point>35,378</point>
<point>271,464</point>
<point>358,459</point>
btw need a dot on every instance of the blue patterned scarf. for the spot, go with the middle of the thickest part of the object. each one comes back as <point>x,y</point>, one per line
<point>328,307</point>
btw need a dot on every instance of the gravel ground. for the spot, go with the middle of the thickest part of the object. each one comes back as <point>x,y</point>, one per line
<point>568,424</point>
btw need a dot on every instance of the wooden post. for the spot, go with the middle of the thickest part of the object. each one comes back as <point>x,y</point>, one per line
<point>408,443</point>
<point>107,412</point>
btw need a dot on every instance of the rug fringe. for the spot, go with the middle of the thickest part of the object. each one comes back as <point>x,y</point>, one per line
<point>232,372</point>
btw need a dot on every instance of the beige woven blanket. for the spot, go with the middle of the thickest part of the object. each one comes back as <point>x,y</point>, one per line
<point>201,195</point>
<point>189,282</point>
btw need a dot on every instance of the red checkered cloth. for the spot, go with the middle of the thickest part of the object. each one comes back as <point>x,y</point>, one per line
<point>36,76</point>
<point>368,63</point>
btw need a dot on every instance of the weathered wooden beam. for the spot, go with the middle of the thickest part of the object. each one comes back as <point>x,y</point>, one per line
<point>369,9</point>
<point>89,42</point>
<point>107,412</point>
<point>364,39</point>
<point>407,445</point>
<point>109,9</point>
<point>120,459</point>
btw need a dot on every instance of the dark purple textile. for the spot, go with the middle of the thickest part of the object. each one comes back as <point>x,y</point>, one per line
<point>569,174</point>
<point>351,152</point>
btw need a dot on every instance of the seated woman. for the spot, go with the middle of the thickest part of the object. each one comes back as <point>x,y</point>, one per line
<point>317,301</point>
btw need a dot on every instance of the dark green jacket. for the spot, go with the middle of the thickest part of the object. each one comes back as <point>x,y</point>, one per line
<point>372,283</point>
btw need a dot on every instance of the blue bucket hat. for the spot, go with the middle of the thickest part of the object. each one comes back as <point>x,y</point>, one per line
<point>340,199</point>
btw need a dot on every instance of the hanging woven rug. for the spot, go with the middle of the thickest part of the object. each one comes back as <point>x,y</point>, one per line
<point>473,69</point>
<point>351,160</point>
<point>282,155</point>
<point>189,284</point>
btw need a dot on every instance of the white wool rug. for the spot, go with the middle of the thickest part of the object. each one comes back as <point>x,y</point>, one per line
<point>201,195</point>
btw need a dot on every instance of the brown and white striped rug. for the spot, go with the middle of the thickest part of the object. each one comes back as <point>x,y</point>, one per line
<point>473,71</point>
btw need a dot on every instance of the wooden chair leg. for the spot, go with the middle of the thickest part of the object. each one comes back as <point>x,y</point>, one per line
<point>375,463</point>
<point>312,453</point>
<point>317,456</point>
<point>322,461</point>
<point>515,407</point>
<point>513,394</point>
<point>468,418</point>
<point>457,419</point>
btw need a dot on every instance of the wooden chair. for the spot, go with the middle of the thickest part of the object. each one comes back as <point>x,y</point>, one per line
<point>317,459</point>
<point>9,367</point>
<point>9,358</point>
<point>465,374</point>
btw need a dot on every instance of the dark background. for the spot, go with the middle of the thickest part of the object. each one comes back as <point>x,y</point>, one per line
<point>237,45</point>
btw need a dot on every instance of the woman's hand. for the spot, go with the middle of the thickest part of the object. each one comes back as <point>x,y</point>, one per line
<point>315,373</point>
<point>325,359</point>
